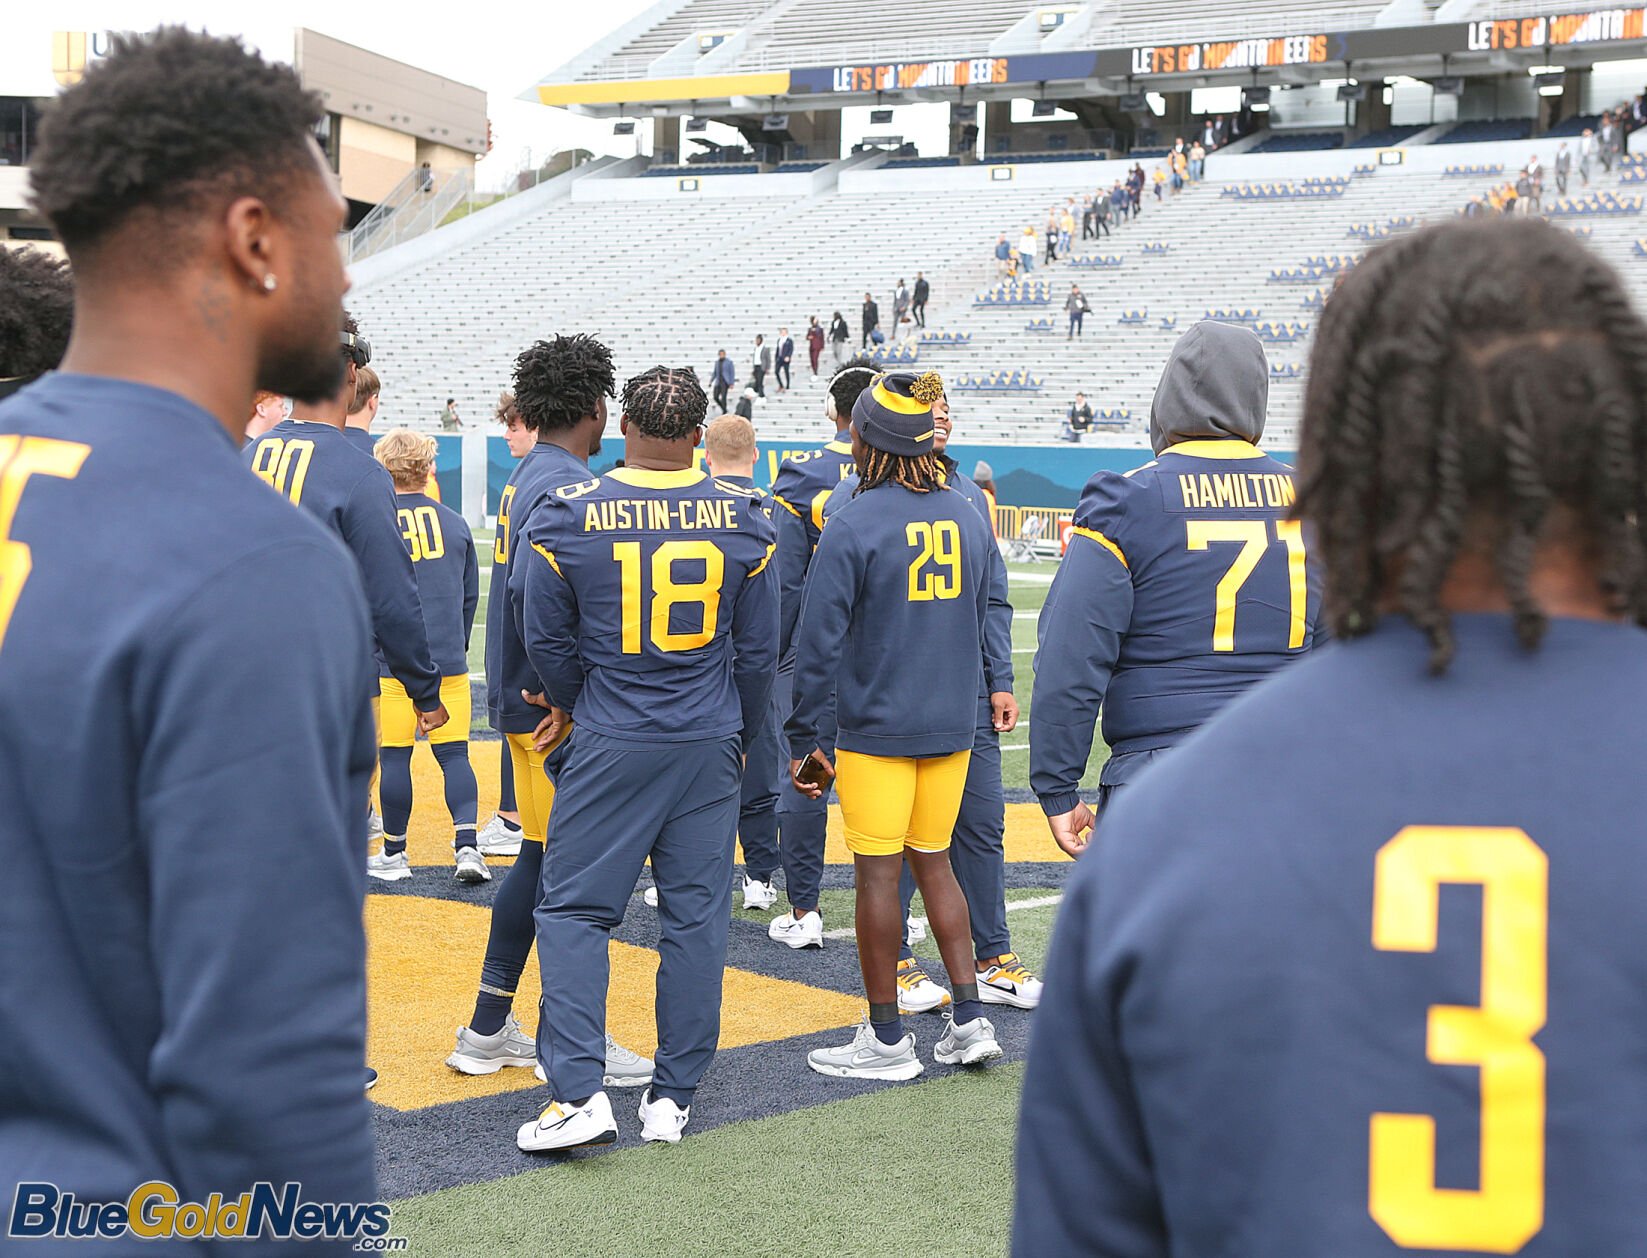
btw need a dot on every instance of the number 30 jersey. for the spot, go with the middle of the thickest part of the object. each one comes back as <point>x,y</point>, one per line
<point>1360,970</point>
<point>1183,584</point>
<point>448,577</point>
<point>894,605</point>
<point>648,604</point>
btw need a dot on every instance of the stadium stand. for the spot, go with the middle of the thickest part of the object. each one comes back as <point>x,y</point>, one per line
<point>1299,141</point>
<point>1161,21</point>
<point>633,58</point>
<point>1389,137</point>
<point>1488,130</point>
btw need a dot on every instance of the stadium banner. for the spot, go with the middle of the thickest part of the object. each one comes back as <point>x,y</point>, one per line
<point>1027,476</point>
<point>1554,30</point>
<point>890,76</point>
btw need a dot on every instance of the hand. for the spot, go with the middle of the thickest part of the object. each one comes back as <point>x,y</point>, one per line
<point>1003,709</point>
<point>427,722</point>
<point>1072,830</point>
<point>812,790</point>
<point>552,728</point>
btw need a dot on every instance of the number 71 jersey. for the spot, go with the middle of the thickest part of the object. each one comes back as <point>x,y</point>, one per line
<point>647,601</point>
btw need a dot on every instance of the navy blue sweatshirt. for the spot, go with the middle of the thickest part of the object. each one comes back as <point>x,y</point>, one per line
<point>448,577</point>
<point>895,602</point>
<point>1184,584</point>
<point>319,469</point>
<point>998,625</point>
<point>649,607</point>
<point>360,439</point>
<point>1270,970</point>
<point>541,470</point>
<point>186,740</point>
<point>802,486</point>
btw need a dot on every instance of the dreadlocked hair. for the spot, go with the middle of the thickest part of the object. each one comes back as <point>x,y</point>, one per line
<point>918,473</point>
<point>1472,384</point>
<point>665,402</point>
<point>560,381</point>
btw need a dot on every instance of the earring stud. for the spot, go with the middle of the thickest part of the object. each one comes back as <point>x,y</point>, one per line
<point>270,283</point>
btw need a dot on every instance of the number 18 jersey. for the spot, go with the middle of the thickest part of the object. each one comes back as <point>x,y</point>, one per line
<point>648,605</point>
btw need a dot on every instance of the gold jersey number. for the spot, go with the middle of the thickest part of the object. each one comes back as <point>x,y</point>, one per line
<point>21,458</point>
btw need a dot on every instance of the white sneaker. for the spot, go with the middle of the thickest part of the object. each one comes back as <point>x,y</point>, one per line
<point>661,1119</point>
<point>471,866</point>
<point>758,895</point>
<point>916,992</point>
<point>374,825</point>
<point>563,1127</point>
<point>867,1058</point>
<point>805,932</point>
<point>650,897</point>
<point>969,1044</point>
<point>498,839</point>
<point>915,928</point>
<point>488,1054</point>
<point>1009,982</point>
<point>624,1069</point>
<point>387,868</point>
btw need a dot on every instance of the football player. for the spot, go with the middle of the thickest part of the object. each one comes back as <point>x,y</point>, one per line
<point>561,387</point>
<point>649,609</point>
<point>1358,969</point>
<point>1185,582</point>
<point>802,486</point>
<point>185,993</point>
<point>448,587</point>
<point>979,851</point>
<point>898,591</point>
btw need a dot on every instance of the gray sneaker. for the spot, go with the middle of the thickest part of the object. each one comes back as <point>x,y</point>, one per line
<point>867,1058</point>
<point>471,866</point>
<point>625,1069</point>
<point>488,1054</point>
<point>969,1044</point>
<point>386,868</point>
<point>498,839</point>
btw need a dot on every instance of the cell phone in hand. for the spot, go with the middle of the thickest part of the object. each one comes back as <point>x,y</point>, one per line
<point>813,771</point>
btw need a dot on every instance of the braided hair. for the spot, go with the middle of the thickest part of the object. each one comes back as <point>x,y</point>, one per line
<point>1467,382</point>
<point>919,473</point>
<point>665,402</point>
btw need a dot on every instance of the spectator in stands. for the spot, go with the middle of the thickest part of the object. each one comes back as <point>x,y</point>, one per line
<point>1586,155</point>
<point>1120,201</point>
<point>1160,179</point>
<point>900,308</point>
<point>1563,166</point>
<point>724,376</point>
<point>425,178</point>
<point>761,363</point>
<point>1135,188</point>
<point>746,405</point>
<point>785,355</point>
<point>1523,193</point>
<point>872,319</point>
<point>1026,251</point>
<point>1101,212</point>
<point>1209,136</point>
<point>1180,168</point>
<point>814,343</point>
<point>923,291</point>
<point>449,421</point>
<point>839,335</point>
<point>1475,208</point>
<point>1052,236</point>
<point>1076,308</point>
<point>1066,231</point>
<point>1003,257</point>
<point>1089,219</point>
<point>1078,419</point>
<point>1607,142</point>
<point>1197,162</point>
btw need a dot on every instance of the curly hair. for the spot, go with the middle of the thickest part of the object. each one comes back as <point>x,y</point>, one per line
<point>167,123</point>
<point>1468,382</point>
<point>407,455</point>
<point>36,312</point>
<point>561,381</point>
<point>851,380</point>
<point>665,402</point>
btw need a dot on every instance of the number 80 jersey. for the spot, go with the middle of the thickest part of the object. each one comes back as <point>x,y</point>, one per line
<point>648,604</point>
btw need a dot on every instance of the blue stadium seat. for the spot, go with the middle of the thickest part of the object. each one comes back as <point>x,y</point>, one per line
<point>1299,142</point>
<point>1387,138</point>
<point>1488,131</point>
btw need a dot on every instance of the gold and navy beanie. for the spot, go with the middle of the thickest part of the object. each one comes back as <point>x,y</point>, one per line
<point>891,418</point>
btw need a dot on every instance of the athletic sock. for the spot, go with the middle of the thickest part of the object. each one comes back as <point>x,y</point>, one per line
<point>512,826</point>
<point>490,1012</point>
<point>394,845</point>
<point>885,1021</point>
<point>967,1004</point>
<point>465,837</point>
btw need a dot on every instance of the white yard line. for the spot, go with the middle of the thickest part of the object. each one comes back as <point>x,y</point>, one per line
<point>1013,906</point>
<point>1028,578</point>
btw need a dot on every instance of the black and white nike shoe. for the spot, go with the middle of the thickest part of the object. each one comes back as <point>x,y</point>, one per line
<point>568,1127</point>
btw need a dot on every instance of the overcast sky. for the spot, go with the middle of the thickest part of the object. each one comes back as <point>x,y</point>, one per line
<point>500,46</point>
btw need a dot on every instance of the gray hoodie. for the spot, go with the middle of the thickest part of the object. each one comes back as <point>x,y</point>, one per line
<point>1216,384</point>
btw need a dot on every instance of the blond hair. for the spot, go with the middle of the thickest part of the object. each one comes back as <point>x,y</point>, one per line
<point>408,455</point>
<point>730,440</point>
<point>367,387</point>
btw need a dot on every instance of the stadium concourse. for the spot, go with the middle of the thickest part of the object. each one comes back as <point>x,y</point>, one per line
<point>709,271</point>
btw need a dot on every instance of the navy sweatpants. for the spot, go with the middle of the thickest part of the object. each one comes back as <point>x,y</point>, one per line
<point>763,779</point>
<point>614,807</point>
<point>978,850</point>
<point>802,823</point>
